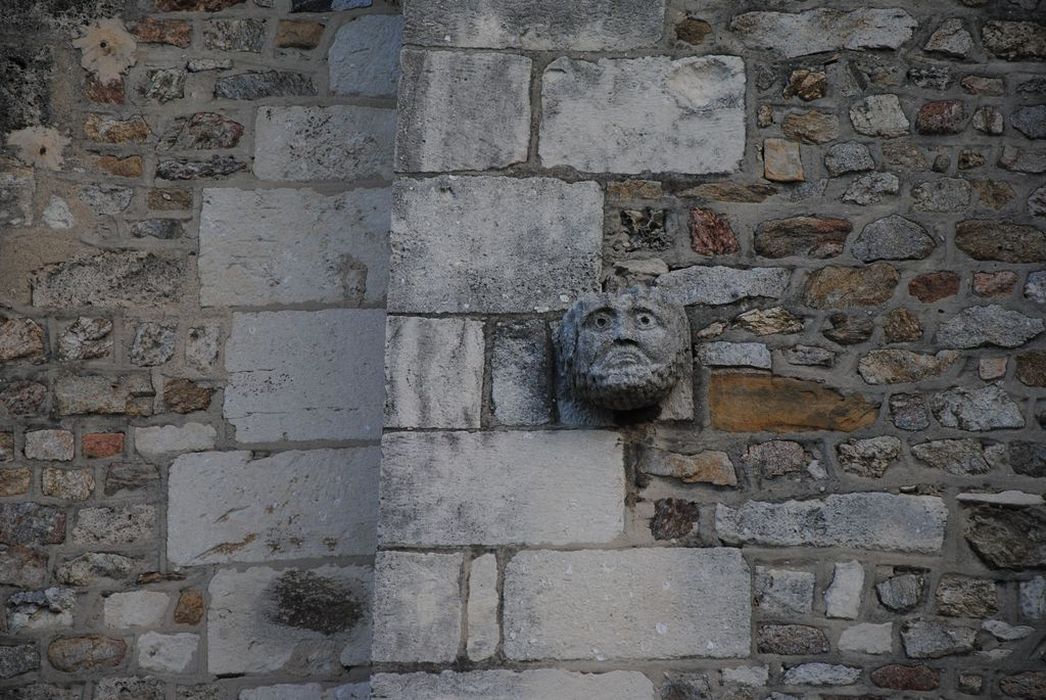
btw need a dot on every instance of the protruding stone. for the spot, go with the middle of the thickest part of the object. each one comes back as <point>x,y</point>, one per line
<point>950,39</point>
<point>901,592</point>
<point>1008,537</point>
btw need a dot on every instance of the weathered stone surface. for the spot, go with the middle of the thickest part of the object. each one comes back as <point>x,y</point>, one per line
<point>770,321</point>
<point>115,525</point>
<point>1031,368</point>
<point>129,477</point>
<point>674,518</point>
<point>109,279</point>
<point>710,233</point>
<point>21,339</point>
<point>783,592</point>
<point>867,638</point>
<point>167,653</point>
<point>824,29</point>
<point>247,34</point>
<point>46,609</point>
<point>987,408</point>
<point>106,129</point>
<point>901,677</point>
<point>23,523</point>
<point>18,659</point>
<point>543,487</point>
<point>444,107</point>
<point>755,402</point>
<point>896,366</point>
<point>724,354</point>
<point>203,131</point>
<point>871,188</point>
<point>902,326</point>
<point>849,157</point>
<point>932,640</point>
<point>547,250</point>
<point>934,286</point>
<point>172,32</point>
<point>977,326</point>
<point>1029,684</point>
<point>777,458</point>
<point>185,396</point>
<point>310,691</point>
<point>342,142</point>
<point>305,375</point>
<point>644,114</point>
<point>941,117</point>
<point>1020,160</point>
<point>950,39</point>
<point>842,598</point>
<point>23,398</point>
<point>959,457</point>
<point>300,621</point>
<point>1008,537</point>
<point>817,673</point>
<point>723,285</point>
<point>163,85</point>
<point>363,57</point>
<point>77,654</point>
<point>193,169</point>
<point>131,686</point>
<point>710,466</point>
<point>808,236</point>
<point>93,568</point>
<point>869,457</point>
<point>156,441</point>
<point>989,239</point>
<point>901,592</point>
<point>988,120</point>
<point>538,683</point>
<point>584,25</point>
<point>256,85</point>
<point>162,229</point>
<point>135,609</point>
<point>1015,41</point>
<point>228,507</point>
<point>879,115</point>
<point>1027,458</point>
<point>1030,121</point>
<point>67,484</point>
<point>893,238</point>
<point>417,607</point>
<point>790,640</point>
<point>483,599</point>
<point>153,343</point>
<point>724,191</point>
<point>963,596</point>
<point>811,127</point>
<point>126,395</point>
<point>845,287</point>
<point>994,284</point>
<point>782,161</point>
<point>859,520</point>
<point>304,246</point>
<point>521,371</point>
<point>195,5</point>
<point>190,608</point>
<point>654,603</point>
<point>15,482</point>
<point>849,329</point>
<point>54,445</point>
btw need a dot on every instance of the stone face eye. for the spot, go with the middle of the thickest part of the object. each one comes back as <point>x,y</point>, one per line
<point>645,321</point>
<point>602,321</point>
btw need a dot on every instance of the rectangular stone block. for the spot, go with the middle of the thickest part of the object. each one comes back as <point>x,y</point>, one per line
<point>627,604</point>
<point>340,142</point>
<point>652,114</point>
<point>856,520</point>
<point>433,372</point>
<point>294,621</point>
<point>365,56</point>
<point>543,684</point>
<point>493,244</point>
<point>417,606</point>
<point>541,487</point>
<point>305,375</point>
<point>483,627</point>
<point>447,120</point>
<point>282,246</point>
<point>717,285</point>
<point>580,25</point>
<point>521,374</point>
<point>227,507</point>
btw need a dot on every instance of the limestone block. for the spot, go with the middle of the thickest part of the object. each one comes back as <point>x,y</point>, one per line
<point>541,487</point>
<point>824,29</point>
<point>135,609</point>
<point>483,631</point>
<point>493,244</point>
<point>521,389</point>
<point>843,596</point>
<point>513,685</point>
<point>717,285</point>
<point>433,372</point>
<point>634,115</point>
<point>627,604</point>
<point>447,119</point>
<point>305,375</point>
<point>159,440</point>
<point>340,142</point>
<point>283,246</point>
<point>364,58</point>
<point>167,653</point>
<point>227,507</point>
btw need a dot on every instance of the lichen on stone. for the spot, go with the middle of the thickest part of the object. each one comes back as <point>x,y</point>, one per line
<point>108,49</point>
<point>39,146</point>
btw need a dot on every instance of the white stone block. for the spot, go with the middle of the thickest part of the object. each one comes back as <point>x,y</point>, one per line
<point>156,441</point>
<point>483,629</point>
<point>521,384</point>
<point>867,638</point>
<point>843,596</point>
<point>364,58</point>
<point>539,684</point>
<point>135,609</point>
<point>167,653</point>
<point>542,487</point>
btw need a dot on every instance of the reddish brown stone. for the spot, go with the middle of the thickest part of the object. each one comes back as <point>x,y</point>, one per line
<point>811,127</point>
<point>673,518</point>
<point>744,402</point>
<point>730,192</point>
<point>847,329</point>
<point>1030,685</point>
<point>842,287</point>
<point>934,286</point>
<point>72,654</point>
<point>1031,368</point>
<point>103,444</point>
<point>184,396</point>
<point>131,166</point>
<point>15,482</point>
<point>710,233</point>
<point>104,93</point>
<point>189,610</point>
<point>809,236</point>
<point>994,284</point>
<point>24,567</point>
<point>299,35</point>
<point>21,339</point>
<point>902,326</point>
<point>195,5</point>
<point>806,84</point>
<point>693,31</point>
<point>941,117</point>
<point>105,129</point>
<point>901,677</point>
<point>174,32</point>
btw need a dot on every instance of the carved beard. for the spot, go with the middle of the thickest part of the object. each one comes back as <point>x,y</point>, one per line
<point>640,387</point>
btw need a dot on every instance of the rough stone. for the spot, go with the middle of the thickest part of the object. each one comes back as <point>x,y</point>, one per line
<point>106,199</point>
<point>777,458</point>
<point>46,609</point>
<point>711,466</point>
<point>845,287</point>
<point>983,85</point>
<point>1030,121</point>
<point>941,117</point>
<point>674,518</point>
<point>724,354</point>
<point>848,157</point>
<point>110,279</point>
<point>755,402</point>
<point>879,115</point>
<point>417,607</point>
<point>547,250</point>
<point>24,523</point>
<point>644,114</point>
<point>137,688</point>
<point>791,640</point>
<point>902,677</point>
<point>811,127</point>
<point>900,593</point>
<point>987,408</point>
<point>902,326</point>
<point>194,169</point>
<point>125,395</point>
<point>842,598</point>
<point>87,338</point>
<point>115,525</point>
<point>537,683</point>
<point>303,35</point>
<point>190,608</point>
<point>934,286</point>
<point>156,441</point>
<point>892,238</point>
<point>445,106</point>
<point>932,640</point>
<point>77,654</point>
<point>185,396</point>
<point>1033,598</point>
<point>896,366</point>
<point>849,329</point>
<point>1031,368</point>
<point>164,85</point>
<point>153,343</point>
<point>945,195</point>
<point>950,39</point>
<point>959,457</point>
<point>871,188</point>
<point>867,638</point>
<point>167,653</point>
<point>509,494</point>
<point>723,285</point>
<point>15,482</point>
<point>1008,537</point>
<point>817,673</point>
<point>782,161</point>
<point>521,371</point>
<point>869,457</point>
<point>53,445</point>
<point>130,477</point>
<point>95,568</point>
<point>105,129</point>
<point>808,236</point>
<point>783,592</point>
<point>824,29</point>
<point>806,84</point>
<point>228,507</point>
<point>247,34</point>
<point>990,368</point>
<point>994,284</point>
<point>67,484</point>
<point>710,233</point>
<point>173,32</point>
<point>978,326</point>
<point>1020,160</point>
<point>963,596</point>
<point>770,321</point>
<point>18,659</point>
<point>985,239</point>
<point>202,347</point>
<point>304,246</point>
<point>203,131</point>
<point>860,520</point>
<point>1029,684</point>
<point>655,603</point>
<point>256,85</point>
<point>988,120</point>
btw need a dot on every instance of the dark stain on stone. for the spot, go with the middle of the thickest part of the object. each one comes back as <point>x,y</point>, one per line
<point>673,518</point>
<point>25,86</point>
<point>309,601</point>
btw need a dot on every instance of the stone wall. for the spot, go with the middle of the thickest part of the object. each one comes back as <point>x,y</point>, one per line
<point>849,202</point>
<point>195,201</point>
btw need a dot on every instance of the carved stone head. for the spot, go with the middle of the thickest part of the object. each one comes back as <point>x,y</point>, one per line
<point>622,351</point>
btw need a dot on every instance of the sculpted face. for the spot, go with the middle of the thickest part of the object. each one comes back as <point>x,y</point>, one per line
<point>625,351</point>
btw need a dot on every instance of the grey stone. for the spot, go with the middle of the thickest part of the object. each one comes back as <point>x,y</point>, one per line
<point>193,169</point>
<point>86,339</point>
<point>959,457</point>
<point>909,411</point>
<point>1030,121</point>
<point>417,607</point>
<point>340,142</point>
<point>40,610</point>
<point>783,591</point>
<point>135,609</point>
<point>777,458</point>
<point>427,358</point>
<point>521,370</point>
<point>809,356</point>
<point>297,621</point>
<point>849,157</point>
<point>965,596</point>
<point>869,457</point>
<point>900,593</point>
<point>892,238</point>
<point>871,188</point>
<point>1008,536</point>
<point>364,58</point>
<point>1005,632</point>
<point>718,285</point>
<point>1015,41</point>
<point>539,25</point>
<point>202,65</point>
<point>309,691</point>
<point>1033,598</point>
<point>94,568</point>
<point>1023,161</point>
<point>228,507</point>
<point>932,640</point>
<point>824,29</point>
<point>541,487</point>
<point>256,85</point>
<point>164,84</point>
<point>945,195</point>
<point>57,215</point>
<point>977,326</point>
<point>162,229</point>
<point>653,603</point>
<point>879,115</point>
<point>157,441</point>
<point>305,375</point>
<point>115,525</point>
<point>987,408</point>
<point>110,279</point>
<point>950,39</point>
<point>202,347</point>
<point>448,122</point>
<point>842,598</point>
<point>725,354</point>
<point>988,120</point>
<point>29,524</point>
<point>55,445</point>
<point>931,77</point>
<point>129,687</point>
<point>791,640</point>
<point>16,659</point>
<point>547,250</point>
<point>130,395</point>
<point>167,653</point>
<point>751,676</point>
<point>291,246</point>
<point>1037,202</point>
<point>857,520</point>
<point>867,638</point>
<point>644,114</point>
<point>247,34</point>
<point>483,628</point>
<point>326,5</point>
<point>153,343</point>
<point>819,673</point>
<point>506,685</point>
